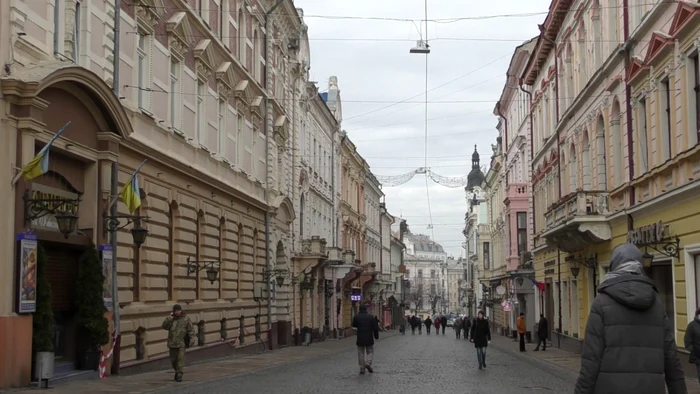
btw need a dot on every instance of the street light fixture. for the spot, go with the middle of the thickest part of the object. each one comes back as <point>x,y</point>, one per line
<point>212,273</point>
<point>277,273</point>
<point>138,233</point>
<point>64,211</point>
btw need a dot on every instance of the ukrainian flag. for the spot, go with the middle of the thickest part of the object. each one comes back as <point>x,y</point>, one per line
<point>131,194</point>
<point>40,163</point>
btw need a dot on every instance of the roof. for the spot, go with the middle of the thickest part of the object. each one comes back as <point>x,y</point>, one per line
<point>423,243</point>
<point>545,42</point>
<point>476,176</point>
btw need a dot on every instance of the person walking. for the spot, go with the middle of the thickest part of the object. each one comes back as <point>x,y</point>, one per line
<point>419,323</point>
<point>414,324</point>
<point>180,337</point>
<point>692,341</point>
<point>367,331</point>
<point>437,325</point>
<point>443,323</point>
<point>629,345</point>
<point>542,329</point>
<point>402,325</point>
<point>428,324</point>
<point>481,336</point>
<point>466,326</point>
<point>522,330</point>
<point>458,327</point>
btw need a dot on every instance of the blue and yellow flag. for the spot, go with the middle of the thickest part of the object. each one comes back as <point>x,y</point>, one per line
<point>131,194</point>
<point>40,163</point>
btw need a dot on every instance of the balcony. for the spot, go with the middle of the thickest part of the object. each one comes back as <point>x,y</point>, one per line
<point>577,221</point>
<point>517,193</point>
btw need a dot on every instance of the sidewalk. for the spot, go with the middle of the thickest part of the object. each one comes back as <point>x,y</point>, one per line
<point>558,358</point>
<point>208,371</point>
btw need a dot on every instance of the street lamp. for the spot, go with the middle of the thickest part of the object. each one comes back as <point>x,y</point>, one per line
<point>277,273</point>
<point>138,233</point>
<point>212,273</point>
<point>64,210</point>
<point>647,259</point>
<point>520,280</point>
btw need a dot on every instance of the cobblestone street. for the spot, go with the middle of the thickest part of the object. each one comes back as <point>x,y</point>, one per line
<point>419,363</point>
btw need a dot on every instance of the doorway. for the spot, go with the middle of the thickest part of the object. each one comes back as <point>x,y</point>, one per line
<point>662,274</point>
<point>62,273</point>
<point>549,306</point>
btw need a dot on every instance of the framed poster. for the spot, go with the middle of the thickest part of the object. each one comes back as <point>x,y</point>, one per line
<point>107,257</point>
<point>26,284</point>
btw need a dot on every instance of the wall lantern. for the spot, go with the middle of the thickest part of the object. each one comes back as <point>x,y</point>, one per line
<point>589,262</point>
<point>520,280</point>
<point>63,209</point>
<point>279,275</point>
<point>212,268</point>
<point>647,259</point>
<point>138,233</point>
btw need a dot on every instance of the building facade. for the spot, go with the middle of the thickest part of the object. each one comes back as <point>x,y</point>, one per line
<point>513,111</point>
<point>455,278</point>
<point>425,262</point>
<point>187,94</point>
<point>614,162</point>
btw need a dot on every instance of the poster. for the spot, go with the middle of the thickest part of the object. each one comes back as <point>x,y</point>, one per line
<point>27,250</point>
<point>107,261</point>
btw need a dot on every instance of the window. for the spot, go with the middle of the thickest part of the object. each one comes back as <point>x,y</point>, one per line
<point>222,18</point>
<point>240,145</point>
<point>223,105</point>
<point>241,37</point>
<point>203,10</point>
<point>522,232</point>
<point>696,88</point>
<point>175,94</point>
<point>420,273</point>
<point>201,116</point>
<point>433,289</point>
<point>487,256</point>
<point>643,141</point>
<point>432,274</point>
<point>57,26</point>
<point>666,114</point>
<point>76,34</point>
<point>256,55</point>
<point>142,69</point>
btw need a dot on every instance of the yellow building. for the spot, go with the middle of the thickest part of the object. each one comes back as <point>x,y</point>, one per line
<point>616,155</point>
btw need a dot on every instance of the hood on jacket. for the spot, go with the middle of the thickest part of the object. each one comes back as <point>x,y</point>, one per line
<point>363,308</point>
<point>624,253</point>
<point>633,291</point>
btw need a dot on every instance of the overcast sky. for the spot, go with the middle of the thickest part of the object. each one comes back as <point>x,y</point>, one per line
<point>375,71</point>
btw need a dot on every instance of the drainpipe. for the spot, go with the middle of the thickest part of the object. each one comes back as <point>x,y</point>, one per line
<point>532,151</point>
<point>266,122</point>
<point>116,356</point>
<point>628,106</point>
<point>556,99</point>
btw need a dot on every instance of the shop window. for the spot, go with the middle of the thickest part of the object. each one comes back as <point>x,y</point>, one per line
<point>140,343</point>
<point>201,334</point>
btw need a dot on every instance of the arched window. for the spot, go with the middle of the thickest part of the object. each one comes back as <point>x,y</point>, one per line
<point>569,79</point>
<point>616,138</point>
<point>613,16</point>
<point>302,208</point>
<point>586,161</point>
<point>597,34</point>
<point>600,150</point>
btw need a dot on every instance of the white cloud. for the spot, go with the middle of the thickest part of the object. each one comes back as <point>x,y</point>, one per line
<point>372,67</point>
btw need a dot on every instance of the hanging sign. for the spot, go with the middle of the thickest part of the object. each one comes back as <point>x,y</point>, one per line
<point>651,234</point>
<point>27,244</point>
<point>107,255</point>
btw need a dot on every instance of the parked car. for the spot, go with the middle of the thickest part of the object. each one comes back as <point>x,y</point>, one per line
<point>450,322</point>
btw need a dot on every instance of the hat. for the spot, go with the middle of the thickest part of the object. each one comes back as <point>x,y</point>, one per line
<point>177,307</point>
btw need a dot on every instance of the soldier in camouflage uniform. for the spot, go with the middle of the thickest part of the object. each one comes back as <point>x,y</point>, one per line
<point>179,329</point>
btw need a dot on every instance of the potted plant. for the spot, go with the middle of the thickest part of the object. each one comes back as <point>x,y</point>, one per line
<point>93,328</point>
<point>42,323</point>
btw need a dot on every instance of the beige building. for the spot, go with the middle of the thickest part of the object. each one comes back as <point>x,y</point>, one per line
<point>618,156</point>
<point>189,99</point>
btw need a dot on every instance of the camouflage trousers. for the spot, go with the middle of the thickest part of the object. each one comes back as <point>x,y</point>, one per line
<point>177,359</point>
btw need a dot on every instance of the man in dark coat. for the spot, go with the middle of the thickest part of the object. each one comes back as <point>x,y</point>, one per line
<point>428,323</point>
<point>443,323</point>
<point>481,336</point>
<point>466,326</point>
<point>542,328</point>
<point>629,345</point>
<point>692,341</point>
<point>367,331</point>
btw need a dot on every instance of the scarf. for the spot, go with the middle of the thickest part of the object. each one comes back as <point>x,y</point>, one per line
<point>630,267</point>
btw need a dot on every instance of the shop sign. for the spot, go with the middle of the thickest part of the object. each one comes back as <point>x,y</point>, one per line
<point>42,192</point>
<point>107,255</point>
<point>651,234</point>
<point>356,295</point>
<point>26,287</point>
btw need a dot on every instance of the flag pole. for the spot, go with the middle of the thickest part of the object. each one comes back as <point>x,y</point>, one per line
<point>48,145</point>
<point>114,199</point>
